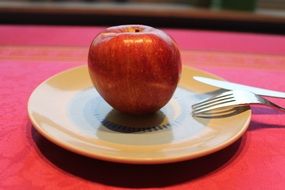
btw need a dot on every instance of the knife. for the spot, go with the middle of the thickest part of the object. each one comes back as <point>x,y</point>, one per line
<point>234,86</point>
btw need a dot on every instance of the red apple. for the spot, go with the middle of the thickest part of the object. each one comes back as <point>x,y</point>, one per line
<point>135,68</point>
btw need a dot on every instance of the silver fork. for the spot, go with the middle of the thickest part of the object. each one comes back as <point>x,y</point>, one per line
<point>231,99</point>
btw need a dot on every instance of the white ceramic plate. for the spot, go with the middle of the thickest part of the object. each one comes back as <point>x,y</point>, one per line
<point>68,111</point>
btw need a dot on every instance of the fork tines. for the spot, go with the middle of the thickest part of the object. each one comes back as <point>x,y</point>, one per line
<point>213,103</point>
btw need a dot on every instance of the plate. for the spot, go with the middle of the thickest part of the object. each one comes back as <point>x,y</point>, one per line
<point>68,111</point>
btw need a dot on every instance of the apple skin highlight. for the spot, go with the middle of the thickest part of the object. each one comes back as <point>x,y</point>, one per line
<point>135,68</point>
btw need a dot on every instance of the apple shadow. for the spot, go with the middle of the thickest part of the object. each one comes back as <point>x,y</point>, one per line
<point>124,123</point>
<point>120,123</point>
<point>133,175</point>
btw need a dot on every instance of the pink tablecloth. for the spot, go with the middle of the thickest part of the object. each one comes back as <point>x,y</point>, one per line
<point>30,54</point>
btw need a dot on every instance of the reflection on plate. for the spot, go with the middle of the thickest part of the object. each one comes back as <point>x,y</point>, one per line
<point>68,111</point>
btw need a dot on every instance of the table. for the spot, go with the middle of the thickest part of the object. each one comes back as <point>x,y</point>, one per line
<point>30,54</point>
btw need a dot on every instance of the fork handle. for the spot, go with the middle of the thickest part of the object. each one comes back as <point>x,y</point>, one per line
<point>271,104</point>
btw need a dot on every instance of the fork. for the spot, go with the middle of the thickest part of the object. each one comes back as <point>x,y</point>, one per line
<point>231,99</point>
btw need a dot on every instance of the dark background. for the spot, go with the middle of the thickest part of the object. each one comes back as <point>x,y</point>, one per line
<point>258,16</point>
